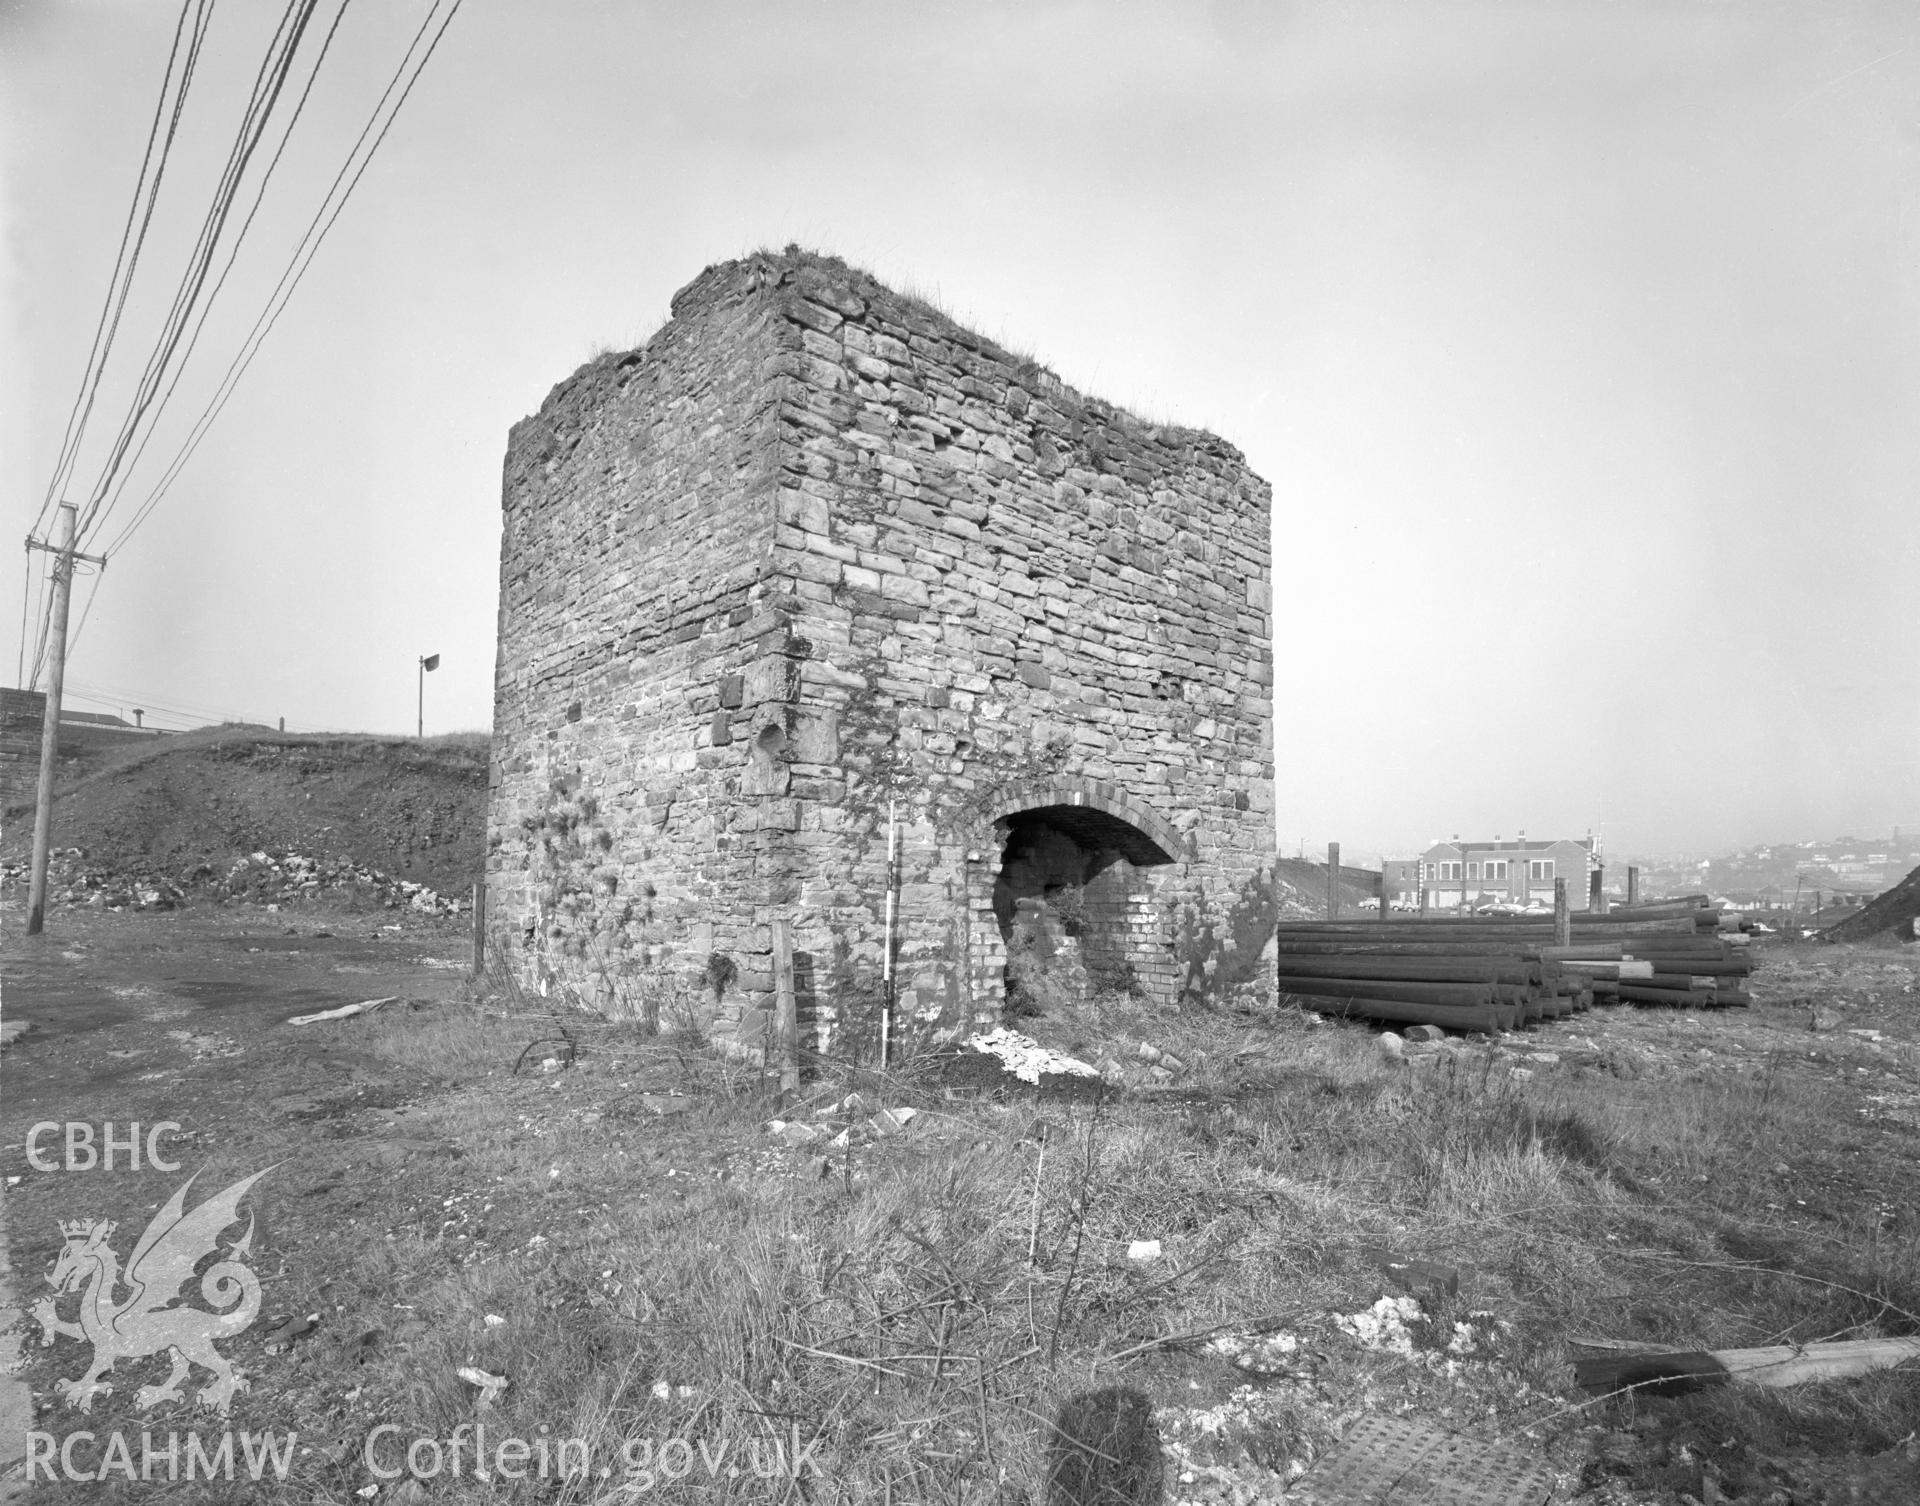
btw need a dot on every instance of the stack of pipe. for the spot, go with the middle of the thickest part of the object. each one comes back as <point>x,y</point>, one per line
<point>1486,973</point>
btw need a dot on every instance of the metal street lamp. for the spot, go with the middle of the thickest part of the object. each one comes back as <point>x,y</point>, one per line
<point>429,661</point>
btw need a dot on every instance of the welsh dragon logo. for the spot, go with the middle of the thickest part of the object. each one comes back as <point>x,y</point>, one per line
<point>145,1322</point>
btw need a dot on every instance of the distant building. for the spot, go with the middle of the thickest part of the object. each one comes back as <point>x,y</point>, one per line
<point>21,715</point>
<point>1400,882</point>
<point>1460,874</point>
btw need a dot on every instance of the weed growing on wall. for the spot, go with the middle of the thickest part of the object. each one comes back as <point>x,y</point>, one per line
<point>1221,951</point>
<point>585,916</point>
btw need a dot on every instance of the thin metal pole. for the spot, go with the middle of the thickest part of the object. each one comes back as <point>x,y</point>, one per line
<point>50,721</point>
<point>420,701</point>
<point>886,959</point>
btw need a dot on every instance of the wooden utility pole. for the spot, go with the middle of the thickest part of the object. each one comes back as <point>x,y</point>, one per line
<point>479,928</point>
<point>786,1024</point>
<point>63,558</point>
<point>1333,881</point>
<point>1562,915</point>
<point>1596,896</point>
<point>1633,885</point>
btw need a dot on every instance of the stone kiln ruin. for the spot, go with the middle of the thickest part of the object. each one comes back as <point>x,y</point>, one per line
<point>815,551</point>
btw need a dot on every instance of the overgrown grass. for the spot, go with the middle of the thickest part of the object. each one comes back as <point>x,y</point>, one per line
<point>914,1306</point>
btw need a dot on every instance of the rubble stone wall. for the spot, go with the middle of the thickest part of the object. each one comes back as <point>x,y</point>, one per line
<point>637,534</point>
<point>818,564</point>
<point>22,716</point>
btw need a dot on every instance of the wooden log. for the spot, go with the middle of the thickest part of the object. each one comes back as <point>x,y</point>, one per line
<point>1679,998</point>
<point>1442,950</point>
<point>1586,951</point>
<point>1415,968</point>
<point>479,928</point>
<point>1777,1365</point>
<point>1459,994</point>
<point>1596,968</point>
<point>1484,1018</point>
<point>786,1028</point>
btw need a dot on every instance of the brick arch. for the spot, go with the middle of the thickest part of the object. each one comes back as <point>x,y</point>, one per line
<point>1155,840</point>
<point>1092,810</point>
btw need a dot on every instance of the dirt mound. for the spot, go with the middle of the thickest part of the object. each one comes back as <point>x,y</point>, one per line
<point>1892,912</point>
<point>1303,888</point>
<point>195,810</point>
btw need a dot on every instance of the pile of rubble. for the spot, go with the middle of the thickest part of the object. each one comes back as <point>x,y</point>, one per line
<point>1026,1058</point>
<point>258,878</point>
<point>71,882</point>
<point>842,1123</point>
<point>263,878</point>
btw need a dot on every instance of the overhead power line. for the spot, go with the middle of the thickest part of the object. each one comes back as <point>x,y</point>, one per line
<point>195,296</point>
<point>172,707</point>
<point>124,263</point>
<point>167,355</point>
<point>338,193</point>
<point>232,254</point>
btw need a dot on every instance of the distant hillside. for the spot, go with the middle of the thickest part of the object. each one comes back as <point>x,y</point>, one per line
<point>1892,913</point>
<point>180,806</point>
<point>1303,888</point>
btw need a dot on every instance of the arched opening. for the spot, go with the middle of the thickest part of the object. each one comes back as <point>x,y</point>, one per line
<point>1073,900</point>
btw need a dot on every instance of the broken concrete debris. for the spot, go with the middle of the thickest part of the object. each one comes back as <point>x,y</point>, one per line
<point>886,1122</point>
<point>490,1385</point>
<point>1026,1058</point>
<point>263,878</point>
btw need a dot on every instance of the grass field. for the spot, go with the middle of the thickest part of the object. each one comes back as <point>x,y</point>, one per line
<point>907,1309</point>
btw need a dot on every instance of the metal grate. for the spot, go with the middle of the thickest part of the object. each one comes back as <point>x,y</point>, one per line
<point>1390,1461</point>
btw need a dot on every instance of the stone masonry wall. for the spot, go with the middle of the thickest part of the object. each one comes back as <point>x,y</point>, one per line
<point>839,556</point>
<point>22,717</point>
<point>637,534</point>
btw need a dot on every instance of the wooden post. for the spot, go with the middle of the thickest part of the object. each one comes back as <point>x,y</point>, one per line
<point>1596,897</point>
<point>1333,881</point>
<point>479,928</point>
<point>1562,915</point>
<point>50,722</point>
<point>1423,898</point>
<point>786,1024</point>
<point>1633,885</point>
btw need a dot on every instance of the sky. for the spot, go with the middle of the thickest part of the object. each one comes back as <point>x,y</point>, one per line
<point>1577,341</point>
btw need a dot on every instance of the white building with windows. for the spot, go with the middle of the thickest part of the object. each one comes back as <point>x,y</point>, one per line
<point>1457,874</point>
